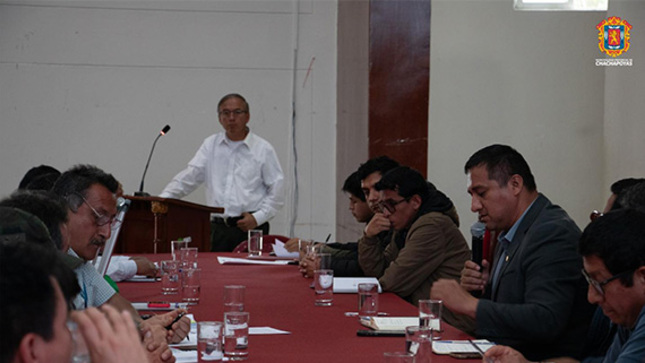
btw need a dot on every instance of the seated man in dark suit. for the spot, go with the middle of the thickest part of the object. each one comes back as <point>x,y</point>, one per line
<point>535,299</point>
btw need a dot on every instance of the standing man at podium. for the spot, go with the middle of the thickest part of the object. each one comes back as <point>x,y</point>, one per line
<point>242,174</point>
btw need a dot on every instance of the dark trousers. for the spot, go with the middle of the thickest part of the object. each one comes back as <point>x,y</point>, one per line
<point>225,238</point>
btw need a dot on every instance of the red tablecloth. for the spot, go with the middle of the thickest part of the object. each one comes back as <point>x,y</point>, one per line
<point>279,297</point>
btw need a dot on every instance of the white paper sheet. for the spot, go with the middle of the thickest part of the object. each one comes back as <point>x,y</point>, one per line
<point>244,261</point>
<point>349,285</point>
<point>266,330</point>
<point>280,251</point>
<point>184,356</point>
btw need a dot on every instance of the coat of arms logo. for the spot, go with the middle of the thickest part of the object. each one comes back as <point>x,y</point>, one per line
<point>613,36</point>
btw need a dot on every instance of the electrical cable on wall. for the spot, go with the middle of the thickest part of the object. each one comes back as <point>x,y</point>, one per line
<point>294,205</point>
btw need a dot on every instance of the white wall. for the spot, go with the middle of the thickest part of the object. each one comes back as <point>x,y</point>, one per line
<point>527,79</point>
<point>93,82</point>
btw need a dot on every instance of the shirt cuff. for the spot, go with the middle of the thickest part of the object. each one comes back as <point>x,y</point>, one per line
<point>260,217</point>
<point>120,270</point>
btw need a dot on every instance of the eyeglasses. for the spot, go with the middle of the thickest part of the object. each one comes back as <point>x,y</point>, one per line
<point>390,205</point>
<point>598,285</point>
<point>101,219</point>
<point>227,113</point>
<point>595,214</point>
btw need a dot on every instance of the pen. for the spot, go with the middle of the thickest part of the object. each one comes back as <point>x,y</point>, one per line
<point>476,347</point>
<point>380,333</point>
<point>181,315</point>
<point>328,237</point>
<point>354,313</point>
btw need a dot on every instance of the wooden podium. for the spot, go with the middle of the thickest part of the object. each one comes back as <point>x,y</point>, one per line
<point>152,222</point>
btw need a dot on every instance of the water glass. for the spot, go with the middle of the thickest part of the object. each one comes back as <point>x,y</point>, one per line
<point>190,285</point>
<point>367,299</point>
<point>418,342</point>
<point>398,357</point>
<point>236,335</point>
<point>188,257</point>
<point>312,249</point>
<point>324,287</point>
<point>209,341</point>
<point>234,298</point>
<point>255,242</point>
<point>80,353</point>
<point>323,261</point>
<point>430,316</point>
<point>303,246</point>
<point>170,277</point>
<point>175,247</point>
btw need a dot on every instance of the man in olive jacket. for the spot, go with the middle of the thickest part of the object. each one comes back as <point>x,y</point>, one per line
<point>426,244</point>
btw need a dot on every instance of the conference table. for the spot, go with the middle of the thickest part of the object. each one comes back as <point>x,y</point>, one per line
<point>278,296</point>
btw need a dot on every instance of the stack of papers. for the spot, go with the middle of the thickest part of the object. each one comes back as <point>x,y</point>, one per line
<point>397,323</point>
<point>460,346</point>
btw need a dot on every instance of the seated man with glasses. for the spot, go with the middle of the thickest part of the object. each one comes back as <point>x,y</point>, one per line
<point>625,193</point>
<point>613,250</point>
<point>241,173</point>
<point>426,244</point>
<point>91,202</point>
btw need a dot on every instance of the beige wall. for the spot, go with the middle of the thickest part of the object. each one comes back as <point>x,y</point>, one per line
<point>529,79</point>
<point>624,116</point>
<point>94,81</point>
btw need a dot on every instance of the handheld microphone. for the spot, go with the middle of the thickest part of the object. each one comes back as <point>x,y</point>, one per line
<point>141,193</point>
<point>477,230</point>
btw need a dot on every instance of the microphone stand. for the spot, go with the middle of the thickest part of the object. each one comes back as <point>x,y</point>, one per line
<point>141,193</point>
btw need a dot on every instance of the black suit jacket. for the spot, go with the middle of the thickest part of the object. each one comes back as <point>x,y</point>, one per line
<point>539,306</point>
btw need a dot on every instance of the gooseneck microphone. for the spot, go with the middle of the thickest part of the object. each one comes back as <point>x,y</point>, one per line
<point>141,193</point>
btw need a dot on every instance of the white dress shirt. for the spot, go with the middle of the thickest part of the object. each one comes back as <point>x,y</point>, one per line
<point>120,268</point>
<point>242,176</point>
